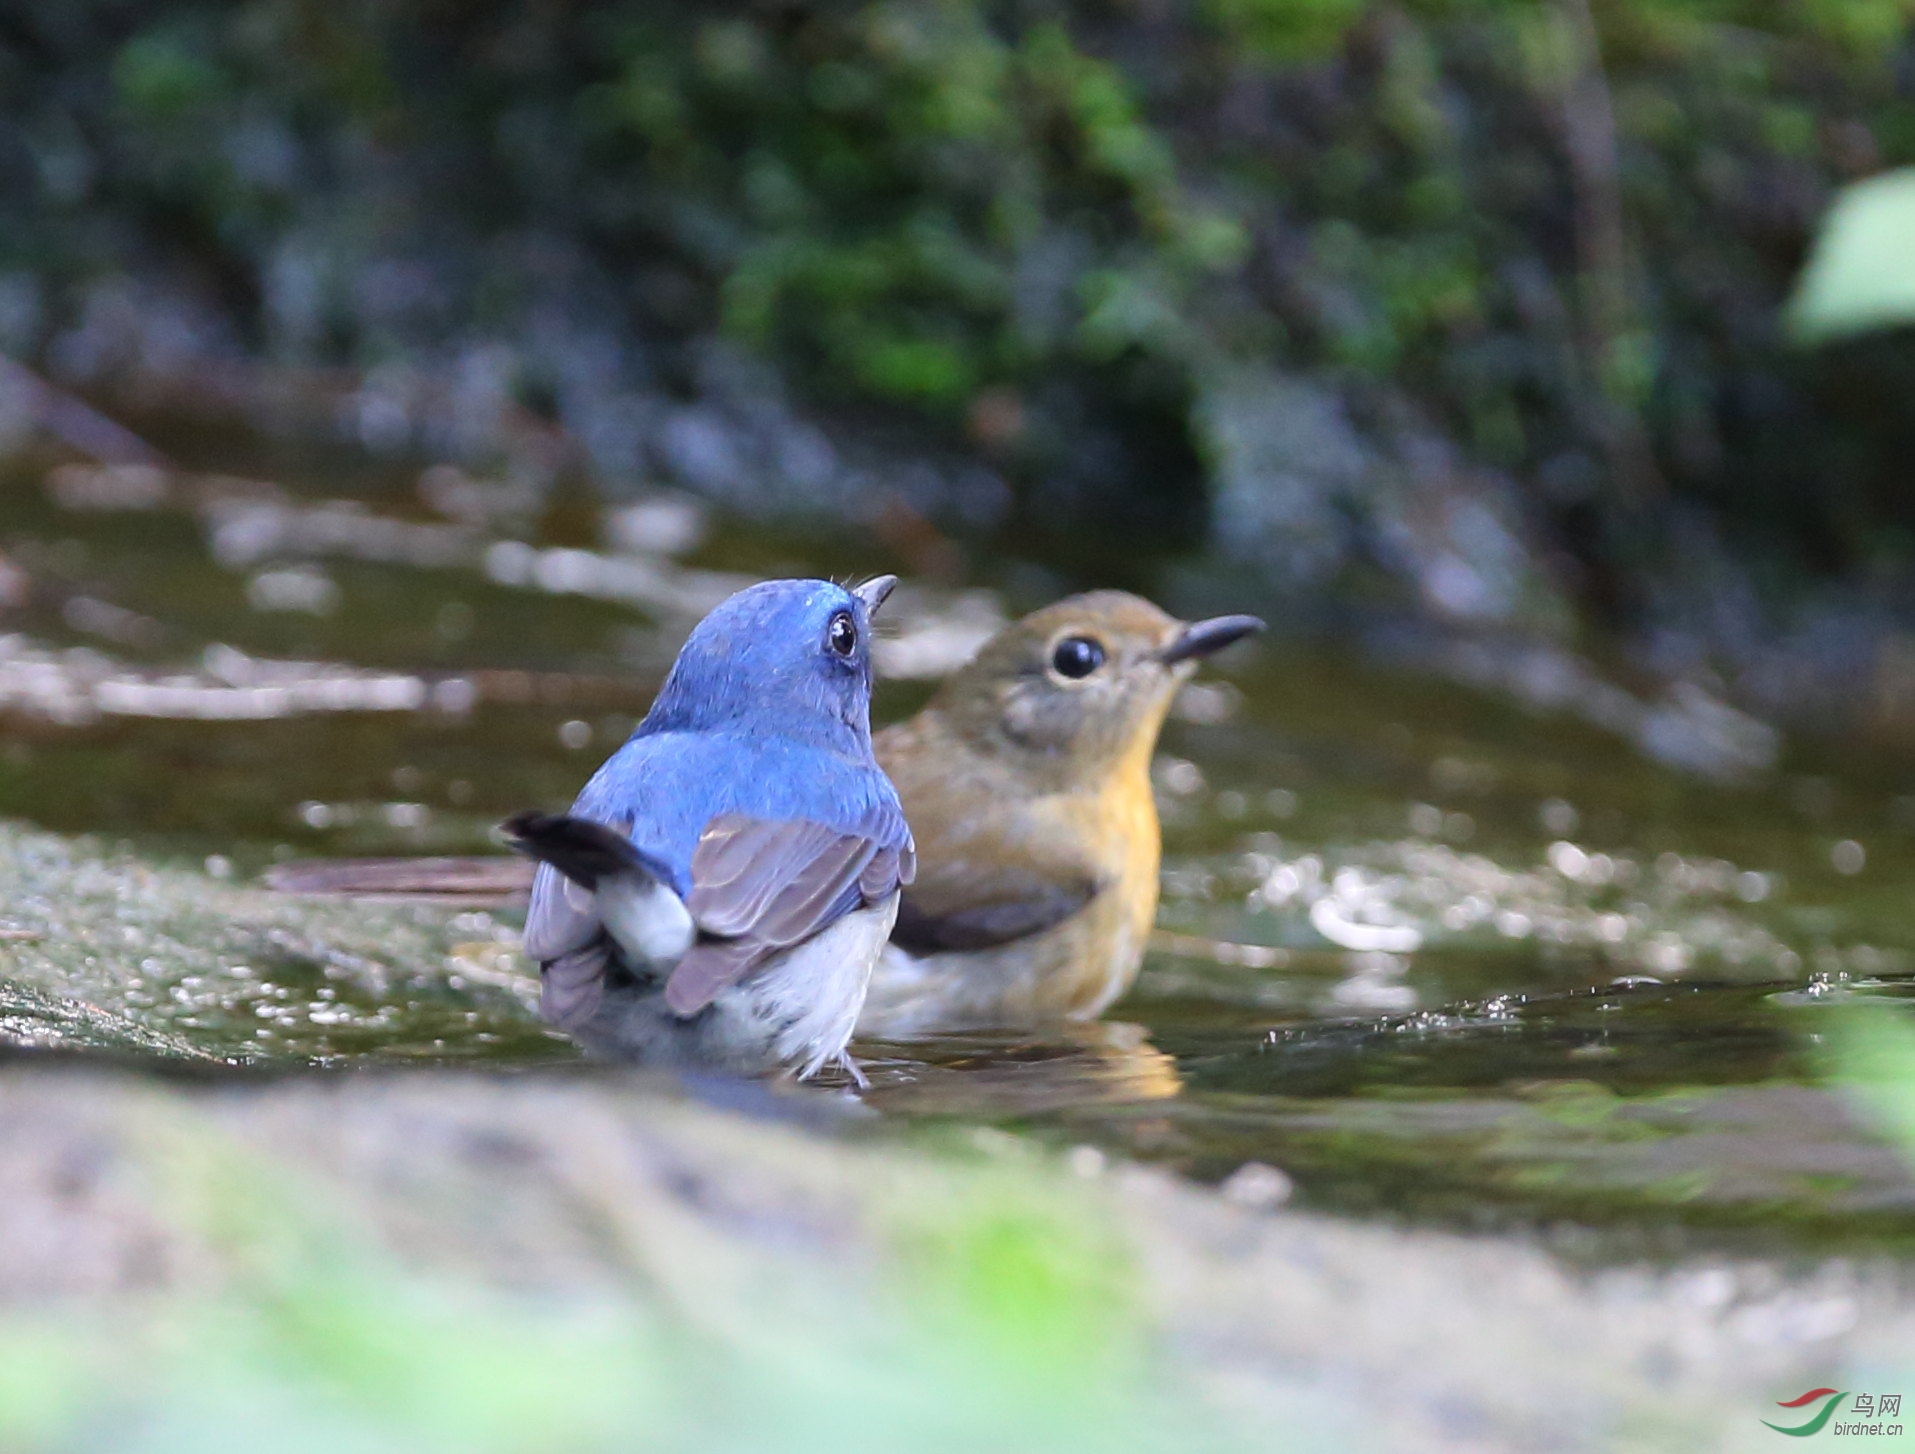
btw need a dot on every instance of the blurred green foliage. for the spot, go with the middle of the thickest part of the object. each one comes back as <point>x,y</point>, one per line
<point>886,179</point>
<point>1049,230</point>
<point>1871,1058</point>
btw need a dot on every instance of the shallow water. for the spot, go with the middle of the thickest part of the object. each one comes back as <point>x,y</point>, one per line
<point>1435,953</point>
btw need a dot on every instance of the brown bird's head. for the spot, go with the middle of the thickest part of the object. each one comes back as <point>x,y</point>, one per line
<point>1081,687</point>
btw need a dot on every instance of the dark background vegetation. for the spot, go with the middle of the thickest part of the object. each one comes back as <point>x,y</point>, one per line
<point>1463,309</point>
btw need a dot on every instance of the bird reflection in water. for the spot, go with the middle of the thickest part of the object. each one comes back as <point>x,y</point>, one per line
<point>1072,1063</point>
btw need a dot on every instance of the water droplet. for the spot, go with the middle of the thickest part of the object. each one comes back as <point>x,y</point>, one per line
<point>1558,817</point>
<point>1255,1184</point>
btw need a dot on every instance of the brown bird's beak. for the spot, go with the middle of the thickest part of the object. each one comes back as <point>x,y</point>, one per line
<point>874,591</point>
<point>1202,638</point>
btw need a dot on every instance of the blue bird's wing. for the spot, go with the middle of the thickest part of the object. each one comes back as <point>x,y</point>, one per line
<point>768,842</point>
<point>759,886</point>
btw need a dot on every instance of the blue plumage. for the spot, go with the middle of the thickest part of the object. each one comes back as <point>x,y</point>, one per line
<point>750,795</point>
<point>663,787</point>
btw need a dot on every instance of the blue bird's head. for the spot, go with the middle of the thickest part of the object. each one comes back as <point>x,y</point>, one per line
<point>782,658</point>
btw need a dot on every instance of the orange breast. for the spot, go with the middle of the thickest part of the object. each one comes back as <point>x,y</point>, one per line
<point>1084,964</point>
<point>1072,971</point>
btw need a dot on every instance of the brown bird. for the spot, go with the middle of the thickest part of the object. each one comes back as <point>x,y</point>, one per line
<point>1026,782</point>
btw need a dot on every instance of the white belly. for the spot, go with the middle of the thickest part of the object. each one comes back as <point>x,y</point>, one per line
<point>1012,985</point>
<point>813,993</point>
<point>913,994</point>
<point>796,1009</point>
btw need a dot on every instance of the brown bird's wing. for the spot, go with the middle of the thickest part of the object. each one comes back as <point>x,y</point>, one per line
<point>986,878</point>
<point>476,879</point>
<point>983,908</point>
<point>760,886</point>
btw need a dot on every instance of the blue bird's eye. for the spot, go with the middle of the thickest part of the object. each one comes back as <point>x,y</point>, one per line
<point>1077,657</point>
<point>841,635</point>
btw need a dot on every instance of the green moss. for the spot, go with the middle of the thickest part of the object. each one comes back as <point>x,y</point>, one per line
<point>165,78</point>
<point>1037,1284</point>
<point>1284,30</point>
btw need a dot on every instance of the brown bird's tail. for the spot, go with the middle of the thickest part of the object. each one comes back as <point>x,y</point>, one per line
<point>497,879</point>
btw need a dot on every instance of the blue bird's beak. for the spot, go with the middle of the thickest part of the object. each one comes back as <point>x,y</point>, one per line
<point>874,591</point>
<point>1202,638</point>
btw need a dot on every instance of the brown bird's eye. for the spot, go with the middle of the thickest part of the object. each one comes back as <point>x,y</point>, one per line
<point>1077,657</point>
<point>842,635</point>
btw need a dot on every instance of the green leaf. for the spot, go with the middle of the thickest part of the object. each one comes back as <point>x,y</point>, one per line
<point>1861,273</point>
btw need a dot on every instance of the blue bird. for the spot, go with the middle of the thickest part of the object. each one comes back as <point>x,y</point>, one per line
<point>725,882</point>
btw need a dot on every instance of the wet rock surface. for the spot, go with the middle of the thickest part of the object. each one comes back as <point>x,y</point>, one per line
<point>576,1190</point>
<point>103,951</point>
<point>121,1195</point>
